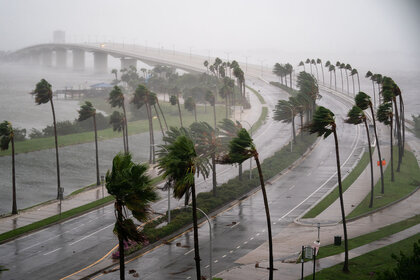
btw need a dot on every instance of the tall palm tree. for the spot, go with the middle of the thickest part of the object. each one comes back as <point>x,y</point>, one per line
<point>372,78</point>
<point>356,116</point>
<point>316,68</point>
<point>131,187</point>
<point>318,61</point>
<point>278,70</point>
<point>347,67</point>
<point>206,64</point>
<point>242,148</point>
<point>227,131</point>
<point>180,165</point>
<point>191,106</point>
<point>385,116</point>
<point>226,91</point>
<point>117,121</point>
<point>115,72</point>
<point>324,124</point>
<point>116,99</point>
<point>332,68</point>
<point>355,72</point>
<point>285,112</point>
<point>86,111</point>
<point>143,97</point>
<point>363,102</point>
<point>6,137</point>
<point>339,65</point>
<point>43,94</point>
<point>211,98</point>
<point>302,64</point>
<point>174,100</point>
<point>328,64</point>
<point>308,61</point>
<point>289,70</point>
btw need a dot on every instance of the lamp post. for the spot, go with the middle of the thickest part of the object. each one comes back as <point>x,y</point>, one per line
<point>250,159</point>
<point>211,245</point>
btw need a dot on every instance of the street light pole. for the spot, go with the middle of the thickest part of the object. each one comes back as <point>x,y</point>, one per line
<point>211,244</point>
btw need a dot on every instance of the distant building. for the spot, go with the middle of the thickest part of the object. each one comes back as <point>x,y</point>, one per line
<point>59,37</point>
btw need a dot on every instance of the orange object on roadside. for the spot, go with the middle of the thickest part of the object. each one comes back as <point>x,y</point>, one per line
<point>383,162</point>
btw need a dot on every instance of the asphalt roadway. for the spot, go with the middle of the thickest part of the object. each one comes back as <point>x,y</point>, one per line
<point>64,248</point>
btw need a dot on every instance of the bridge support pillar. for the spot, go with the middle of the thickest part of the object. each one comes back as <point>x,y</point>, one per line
<point>127,62</point>
<point>34,58</point>
<point>78,60</point>
<point>100,62</point>
<point>46,58</point>
<point>61,58</point>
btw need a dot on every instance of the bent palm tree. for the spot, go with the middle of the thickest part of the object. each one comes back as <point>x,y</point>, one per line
<point>302,64</point>
<point>116,99</point>
<point>324,124</point>
<point>318,61</point>
<point>339,66</point>
<point>86,111</point>
<point>117,121</point>
<point>242,148</point>
<point>385,116</point>
<point>363,102</point>
<point>43,94</point>
<point>285,112</point>
<point>180,164</point>
<point>357,116</point>
<point>6,137</point>
<point>131,187</point>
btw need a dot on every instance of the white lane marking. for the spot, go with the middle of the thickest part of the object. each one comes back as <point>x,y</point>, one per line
<point>207,266</point>
<point>189,277</point>
<point>274,223</point>
<point>235,225</point>
<point>216,261</point>
<point>53,251</point>
<point>231,251</point>
<point>291,188</point>
<point>238,247</point>
<point>252,238</point>
<point>93,233</point>
<point>257,234</point>
<point>246,242</point>
<point>192,250</point>
<point>263,230</point>
<point>224,256</point>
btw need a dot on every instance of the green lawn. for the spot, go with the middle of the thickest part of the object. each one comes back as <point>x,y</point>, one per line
<point>405,182</point>
<point>347,182</point>
<point>135,127</point>
<point>367,266</point>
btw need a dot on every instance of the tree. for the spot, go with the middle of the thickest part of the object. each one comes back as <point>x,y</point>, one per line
<point>116,99</point>
<point>43,94</point>
<point>302,64</point>
<point>318,61</point>
<point>285,112</point>
<point>328,64</point>
<point>363,102</point>
<point>131,187</point>
<point>324,124</point>
<point>226,91</point>
<point>289,70</point>
<point>242,148</point>
<point>190,106</point>
<point>355,72</point>
<point>348,68</point>
<point>227,131</point>
<point>143,97</point>
<point>339,65</point>
<point>6,137</point>
<point>308,86</point>
<point>206,64</point>
<point>308,61</point>
<point>316,68</point>
<point>356,116</point>
<point>332,68</point>
<point>372,78</point>
<point>385,116</point>
<point>86,111</point>
<point>115,72</point>
<point>180,165</point>
<point>211,98</point>
<point>117,121</point>
<point>175,100</point>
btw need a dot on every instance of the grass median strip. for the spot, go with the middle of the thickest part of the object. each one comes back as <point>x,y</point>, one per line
<point>333,196</point>
<point>262,101</point>
<point>407,180</point>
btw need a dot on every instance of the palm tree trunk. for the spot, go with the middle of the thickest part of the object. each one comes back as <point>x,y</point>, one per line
<point>126,127</point>
<point>152,137</point>
<point>402,117</point>
<point>342,81</point>
<point>374,95</point>
<point>352,78</point>
<point>56,150</point>
<point>160,123</point>
<point>317,76</point>
<point>330,79</point>
<point>98,182</point>
<point>196,248</point>
<point>291,85</point>
<point>293,129</point>
<point>322,69</point>
<point>392,152</point>
<point>240,171</point>
<point>124,140</point>
<point>371,165</point>
<point>120,240</point>
<point>310,65</point>
<point>213,169</point>
<point>335,80</point>
<point>358,81</point>
<point>163,115</point>
<point>285,80</point>
<point>179,110</point>
<point>343,215</point>
<point>14,205</point>
<point>379,148</point>
<point>397,124</point>
<point>214,115</point>
<point>267,214</point>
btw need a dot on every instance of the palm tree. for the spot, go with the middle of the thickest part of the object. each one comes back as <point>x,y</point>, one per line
<point>356,116</point>
<point>285,112</point>
<point>180,165</point>
<point>131,187</point>
<point>355,72</point>
<point>339,65</point>
<point>142,96</point>
<point>116,99</point>
<point>332,68</point>
<point>289,70</point>
<point>227,131</point>
<point>308,61</point>
<point>328,64</point>
<point>190,106</point>
<point>363,102</point>
<point>115,72</point>
<point>174,99</point>
<point>318,61</point>
<point>324,124</point>
<point>308,86</point>
<point>372,78</point>
<point>226,91</point>
<point>302,64</point>
<point>206,64</point>
<point>86,111</point>
<point>316,68</point>
<point>6,137</point>
<point>347,67</point>
<point>43,94</point>
<point>385,116</point>
<point>117,121</point>
<point>211,98</point>
<point>278,70</point>
<point>242,148</point>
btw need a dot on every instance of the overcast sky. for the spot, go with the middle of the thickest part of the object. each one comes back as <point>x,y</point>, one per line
<point>390,28</point>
